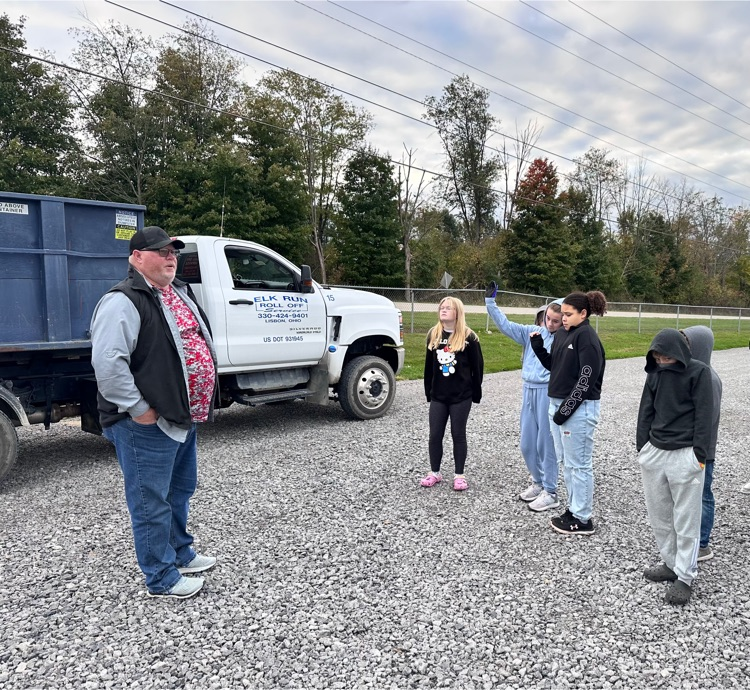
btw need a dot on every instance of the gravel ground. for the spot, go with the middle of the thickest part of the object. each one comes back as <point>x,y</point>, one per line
<point>336,570</point>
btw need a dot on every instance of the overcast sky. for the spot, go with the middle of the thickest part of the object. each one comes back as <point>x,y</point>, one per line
<point>663,82</point>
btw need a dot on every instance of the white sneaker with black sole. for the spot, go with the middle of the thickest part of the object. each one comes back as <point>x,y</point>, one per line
<point>544,501</point>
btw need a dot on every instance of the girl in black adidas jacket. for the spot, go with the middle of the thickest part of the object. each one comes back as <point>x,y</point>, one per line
<point>453,371</point>
<point>576,365</point>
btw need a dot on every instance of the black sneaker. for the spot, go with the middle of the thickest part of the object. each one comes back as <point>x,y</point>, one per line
<point>567,523</point>
<point>565,518</point>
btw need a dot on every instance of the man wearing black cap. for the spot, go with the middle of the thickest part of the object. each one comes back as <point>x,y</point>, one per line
<point>155,367</point>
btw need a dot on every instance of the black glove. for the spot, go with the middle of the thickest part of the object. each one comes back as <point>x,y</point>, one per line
<point>491,290</point>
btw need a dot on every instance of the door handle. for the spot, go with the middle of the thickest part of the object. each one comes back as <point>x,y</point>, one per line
<point>241,301</point>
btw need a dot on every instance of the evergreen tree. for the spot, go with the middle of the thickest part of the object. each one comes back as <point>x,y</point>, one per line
<point>217,197</point>
<point>595,265</point>
<point>435,244</point>
<point>642,280</point>
<point>670,264</point>
<point>268,139</point>
<point>538,246</point>
<point>368,236</point>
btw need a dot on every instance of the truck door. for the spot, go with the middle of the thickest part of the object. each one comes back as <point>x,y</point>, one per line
<point>269,320</point>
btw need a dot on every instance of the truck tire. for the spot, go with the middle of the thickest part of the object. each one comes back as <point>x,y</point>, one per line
<point>8,445</point>
<point>367,387</point>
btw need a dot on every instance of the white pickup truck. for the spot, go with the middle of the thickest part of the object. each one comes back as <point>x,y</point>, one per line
<point>279,335</point>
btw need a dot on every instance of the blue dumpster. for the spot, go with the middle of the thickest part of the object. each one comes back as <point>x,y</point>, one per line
<point>58,256</point>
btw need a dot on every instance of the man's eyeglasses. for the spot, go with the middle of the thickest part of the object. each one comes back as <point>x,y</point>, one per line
<point>165,252</point>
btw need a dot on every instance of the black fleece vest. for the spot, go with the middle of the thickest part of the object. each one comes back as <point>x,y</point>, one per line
<point>155,362</point>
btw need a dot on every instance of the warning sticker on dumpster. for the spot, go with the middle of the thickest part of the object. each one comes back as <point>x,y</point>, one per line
<point>8,207</point>
<point>126,223</point>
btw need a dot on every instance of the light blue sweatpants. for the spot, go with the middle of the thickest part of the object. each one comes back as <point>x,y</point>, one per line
<point>537,447</point>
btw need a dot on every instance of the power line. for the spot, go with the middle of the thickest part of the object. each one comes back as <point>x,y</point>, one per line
<point>218,111</point>
<point>221,111</point>
<point>274,65</point>
<point>336,69</point>
<point>624,178</point>
<point>632,62</point>
<point>288,131</point>
<point>616,76</point>
<point>440,175</point>
<point>523,105</point>
<point>663,57</point>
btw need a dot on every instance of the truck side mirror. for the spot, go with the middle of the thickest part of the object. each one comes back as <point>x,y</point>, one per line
<point>306,279</point>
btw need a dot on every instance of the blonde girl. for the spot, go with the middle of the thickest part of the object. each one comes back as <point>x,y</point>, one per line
<point>453,370</point>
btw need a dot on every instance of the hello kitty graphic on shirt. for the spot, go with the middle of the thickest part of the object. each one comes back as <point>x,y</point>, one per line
<point>446,359</point>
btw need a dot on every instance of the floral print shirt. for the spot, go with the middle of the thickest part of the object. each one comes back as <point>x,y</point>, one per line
<point>200,365</point>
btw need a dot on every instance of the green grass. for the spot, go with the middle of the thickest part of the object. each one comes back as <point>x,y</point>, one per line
<point>618,334</point>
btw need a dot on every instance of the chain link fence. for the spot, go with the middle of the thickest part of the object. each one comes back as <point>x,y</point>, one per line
<point>419,308</point>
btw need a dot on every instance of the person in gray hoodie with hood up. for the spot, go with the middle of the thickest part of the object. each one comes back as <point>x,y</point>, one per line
<point>701,342</point>
<point>673,440</point>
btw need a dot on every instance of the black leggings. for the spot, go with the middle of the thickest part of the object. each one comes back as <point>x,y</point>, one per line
<point>439,415</point>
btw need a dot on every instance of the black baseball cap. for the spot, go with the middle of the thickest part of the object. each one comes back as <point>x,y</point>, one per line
<point>153,237</point>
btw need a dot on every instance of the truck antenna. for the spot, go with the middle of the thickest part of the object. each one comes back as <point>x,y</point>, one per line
<point>224,196</point>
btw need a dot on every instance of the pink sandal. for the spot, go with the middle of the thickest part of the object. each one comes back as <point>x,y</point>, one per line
<point>432,479</point>
<point>459,484</point>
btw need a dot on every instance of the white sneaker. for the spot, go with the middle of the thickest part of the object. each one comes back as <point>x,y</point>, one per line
<point>197,565</point>
<point>185,588</point>
<point>745,489</point>
<point>544,501</point>
<point>531,493</point>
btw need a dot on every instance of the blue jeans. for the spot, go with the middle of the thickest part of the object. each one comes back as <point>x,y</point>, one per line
<point>574,445</point>
<point>707,506</point>
<point>160,476</point>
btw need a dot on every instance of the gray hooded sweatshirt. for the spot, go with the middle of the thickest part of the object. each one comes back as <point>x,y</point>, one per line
<point>701,339</point>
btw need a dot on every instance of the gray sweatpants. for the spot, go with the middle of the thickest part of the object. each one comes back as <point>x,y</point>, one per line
<point>673,485</point>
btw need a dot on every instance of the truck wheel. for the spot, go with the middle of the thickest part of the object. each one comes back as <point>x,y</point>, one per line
<point>367,387</point>
<point>8,445</point>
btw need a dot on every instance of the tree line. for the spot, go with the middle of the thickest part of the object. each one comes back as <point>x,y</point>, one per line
<point>286,162</point>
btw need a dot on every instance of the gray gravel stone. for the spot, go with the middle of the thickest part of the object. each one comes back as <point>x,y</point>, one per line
<point>337,570</point>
